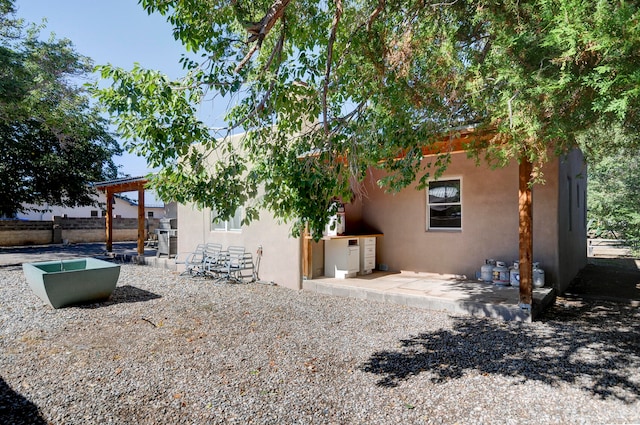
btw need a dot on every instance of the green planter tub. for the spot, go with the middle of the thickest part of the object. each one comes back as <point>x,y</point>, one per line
<point>66,282</point>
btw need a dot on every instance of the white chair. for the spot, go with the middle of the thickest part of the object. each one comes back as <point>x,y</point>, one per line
<point>193,261</point>
<point>244,271</point>
<point>212,258</point>
<point>229,262</point>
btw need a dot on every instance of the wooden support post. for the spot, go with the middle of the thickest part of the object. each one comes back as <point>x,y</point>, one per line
<point>109,220</point>
<point>525,207</point>
<point>307,255</point>
<point>141,219</point>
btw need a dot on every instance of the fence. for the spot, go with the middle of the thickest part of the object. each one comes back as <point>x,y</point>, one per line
<point>71,230</point>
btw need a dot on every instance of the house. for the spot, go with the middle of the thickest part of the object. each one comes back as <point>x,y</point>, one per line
<point>470,214</point>
<point>123,207</point>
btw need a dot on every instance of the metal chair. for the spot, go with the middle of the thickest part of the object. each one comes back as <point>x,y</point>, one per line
<point>193,262</point>
<point>228,263</point>
<point>244,271</point>
<point>212,258</point>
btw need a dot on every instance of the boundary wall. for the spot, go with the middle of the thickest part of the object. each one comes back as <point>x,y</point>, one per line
<point>71,230</point>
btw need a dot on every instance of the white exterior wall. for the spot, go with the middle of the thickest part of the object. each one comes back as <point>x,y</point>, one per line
<point>121,208</point>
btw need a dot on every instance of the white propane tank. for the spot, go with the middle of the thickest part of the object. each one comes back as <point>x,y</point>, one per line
<point>336,226</point>
<point>501,274</point>
<point>538,276</point>
<point>514,274</point>
<point>486,271</point>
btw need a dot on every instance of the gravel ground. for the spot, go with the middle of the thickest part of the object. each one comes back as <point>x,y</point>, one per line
<point>174,350</point>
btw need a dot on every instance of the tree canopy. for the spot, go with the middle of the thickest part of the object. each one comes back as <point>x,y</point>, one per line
<point>613,196</point>
<point>325,90</point>
<point>53,143</point>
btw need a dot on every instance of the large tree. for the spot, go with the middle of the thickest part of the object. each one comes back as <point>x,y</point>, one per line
<point>613,196</point>
<point>325,90</point>
<point>53,143</point>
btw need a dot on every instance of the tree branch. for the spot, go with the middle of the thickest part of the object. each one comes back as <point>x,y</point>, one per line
<point>259,30</point>
<point>244,61</point>
<point>277,50</point>
<point>375,14</point>
<point>332,39</point>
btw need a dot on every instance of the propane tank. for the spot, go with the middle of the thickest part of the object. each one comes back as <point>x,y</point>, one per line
<point>514,274</point>
<point>486,271</point>
<point>538,276</point>
<point>342,220</point>
<point>500,274</point>
<point>336,226</point>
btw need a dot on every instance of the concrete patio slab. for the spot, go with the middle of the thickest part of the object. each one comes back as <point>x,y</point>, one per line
<point>436,292</point>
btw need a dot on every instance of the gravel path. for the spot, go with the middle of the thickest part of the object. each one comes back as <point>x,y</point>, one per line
<point>174,350</point>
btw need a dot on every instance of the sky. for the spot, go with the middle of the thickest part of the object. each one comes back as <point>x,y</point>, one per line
<point>118,32</point>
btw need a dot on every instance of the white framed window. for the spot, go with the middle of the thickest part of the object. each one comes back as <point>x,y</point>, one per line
<point>233,224</point>
<point>444,204</point>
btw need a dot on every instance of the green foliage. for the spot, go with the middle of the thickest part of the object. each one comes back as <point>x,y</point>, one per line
<point>325,91</point>
<point>613,196</point>
<point>52,143</point>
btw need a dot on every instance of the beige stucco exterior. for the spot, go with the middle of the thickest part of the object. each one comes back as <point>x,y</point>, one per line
<point>489,226</point>
<point>281,259</point>
<point>489,221</point>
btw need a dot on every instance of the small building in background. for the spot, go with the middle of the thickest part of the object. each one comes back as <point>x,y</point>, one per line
<point>123,207</point>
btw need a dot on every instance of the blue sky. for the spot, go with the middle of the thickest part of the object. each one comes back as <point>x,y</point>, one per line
<point>119,32</point>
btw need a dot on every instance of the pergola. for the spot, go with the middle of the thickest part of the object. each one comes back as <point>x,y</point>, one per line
<point>128,184</point>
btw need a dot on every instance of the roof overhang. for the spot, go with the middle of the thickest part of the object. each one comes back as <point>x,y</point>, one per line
<point>458,139</point>
<point>127,184</point>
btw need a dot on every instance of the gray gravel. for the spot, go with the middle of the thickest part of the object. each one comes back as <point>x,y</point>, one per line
<point>174,350</point>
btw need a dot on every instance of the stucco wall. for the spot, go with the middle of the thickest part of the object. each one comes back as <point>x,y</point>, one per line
<point>489,222</point>
<point>281,261</point>
<point>572,217</point>
<point>489,227</point>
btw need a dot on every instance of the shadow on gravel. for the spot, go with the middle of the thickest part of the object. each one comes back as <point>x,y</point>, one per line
<point>16,409</point>
<point>591,345</point>
<point>124,294</point>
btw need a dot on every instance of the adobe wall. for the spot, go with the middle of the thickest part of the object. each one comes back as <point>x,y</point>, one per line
<point>73,230</point>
